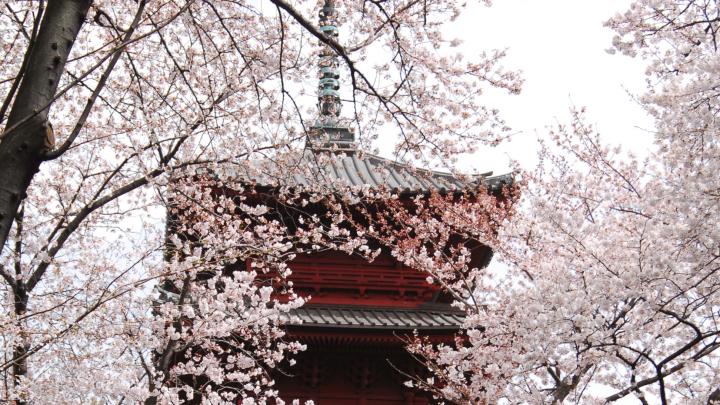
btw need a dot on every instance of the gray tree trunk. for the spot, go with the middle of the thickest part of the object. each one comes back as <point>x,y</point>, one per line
<point>19,364</point>
<point>24,142</point>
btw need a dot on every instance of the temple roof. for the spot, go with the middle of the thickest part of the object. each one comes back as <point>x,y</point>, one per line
<point>357,169</point>
<point>375,318</point>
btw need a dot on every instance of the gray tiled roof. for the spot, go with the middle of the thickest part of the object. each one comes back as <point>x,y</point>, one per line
<point>356,317</point>
<point>374,318</point>
<point>360,169</point>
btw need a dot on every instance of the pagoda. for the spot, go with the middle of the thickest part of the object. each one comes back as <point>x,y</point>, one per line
<point>361,313</point>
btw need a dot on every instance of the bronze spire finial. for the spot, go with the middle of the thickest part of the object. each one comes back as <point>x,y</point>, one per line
<point>329,103</point>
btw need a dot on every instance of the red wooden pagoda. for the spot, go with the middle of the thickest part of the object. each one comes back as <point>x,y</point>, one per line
<point>361,313</point>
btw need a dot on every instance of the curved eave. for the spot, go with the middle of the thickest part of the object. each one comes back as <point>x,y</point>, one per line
<point>365,170</point>
<point>368,318</point>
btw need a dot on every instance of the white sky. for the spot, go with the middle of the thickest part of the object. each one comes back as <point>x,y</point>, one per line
<point>560,46</point>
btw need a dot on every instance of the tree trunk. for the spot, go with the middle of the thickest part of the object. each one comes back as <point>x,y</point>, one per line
<point>26,140</point>
<point>19,363</point>
<point>714,397</point>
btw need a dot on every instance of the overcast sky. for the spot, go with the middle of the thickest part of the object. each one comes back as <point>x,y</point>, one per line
<point>560,46</point>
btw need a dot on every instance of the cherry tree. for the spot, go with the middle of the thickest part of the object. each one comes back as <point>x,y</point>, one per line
<point>104,103</point>
<point>612,284</point>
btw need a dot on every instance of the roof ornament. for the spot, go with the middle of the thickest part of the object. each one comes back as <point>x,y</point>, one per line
<point>329,133</point>
<point>328,89</point>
